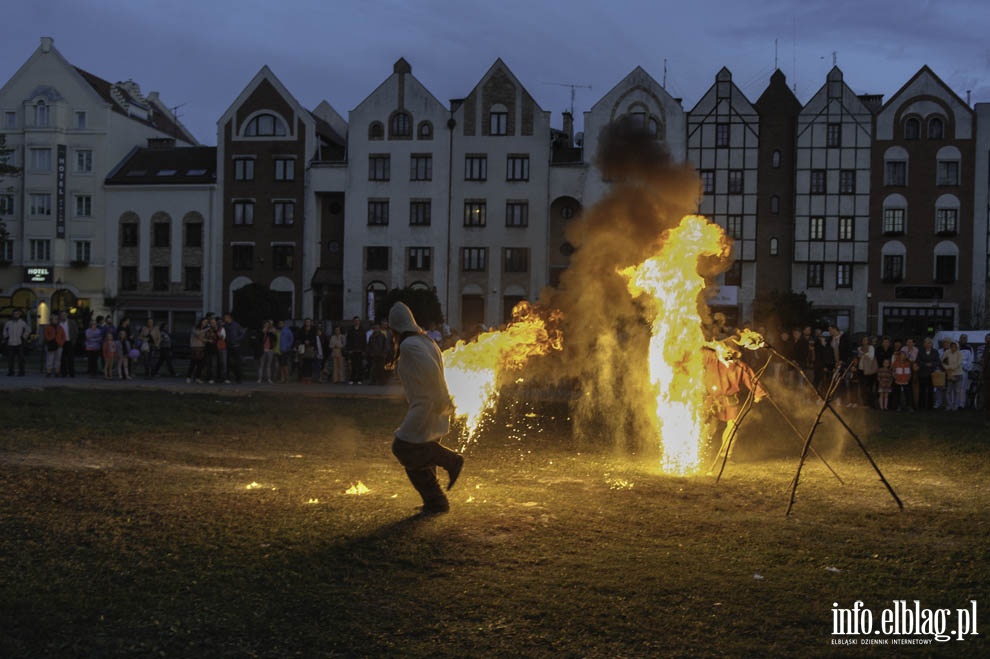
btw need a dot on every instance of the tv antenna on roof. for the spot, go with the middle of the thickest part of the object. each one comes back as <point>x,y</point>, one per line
<point>175,110</point>
<point>573,87</point>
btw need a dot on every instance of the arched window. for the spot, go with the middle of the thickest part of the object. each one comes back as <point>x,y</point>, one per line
<point>400,125</point>
<point>774,247</point>
<point>947,215</point>
<point>912,128</point>
<point>935,128</point>
<point>894,215</point>
<point>376,131</point>
<point>895,166</point>
<point>41,115</point>
<point>947,166</point>
<point>893,259</point>
<point>775,159</point>
<point>946,262</point>
<point>425,130</point>
<point>265,125</point>
<point>774,204</point>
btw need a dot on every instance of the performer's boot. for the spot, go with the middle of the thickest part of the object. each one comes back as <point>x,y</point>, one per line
<point>425,482</point>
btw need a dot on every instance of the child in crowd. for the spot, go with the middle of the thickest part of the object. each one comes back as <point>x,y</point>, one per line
<point>885,379</point>
<point>109,355</point>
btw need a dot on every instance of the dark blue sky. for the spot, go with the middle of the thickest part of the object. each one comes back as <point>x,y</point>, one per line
<point>202,53</point>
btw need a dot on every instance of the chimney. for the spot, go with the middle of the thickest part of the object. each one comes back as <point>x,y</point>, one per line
<point>569,127</point>
<point>46,44</point>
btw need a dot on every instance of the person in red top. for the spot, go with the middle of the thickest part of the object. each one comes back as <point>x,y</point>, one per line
<point>902,381</point>
<point>725,378</point>
<point>54,340</point>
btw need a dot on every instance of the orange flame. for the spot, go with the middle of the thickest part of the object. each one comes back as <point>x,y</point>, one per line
<point>669,285</point>
<point>474,370</point>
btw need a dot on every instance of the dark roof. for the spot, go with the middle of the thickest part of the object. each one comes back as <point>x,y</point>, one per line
<point>157,119</point>
<point>166,165</point>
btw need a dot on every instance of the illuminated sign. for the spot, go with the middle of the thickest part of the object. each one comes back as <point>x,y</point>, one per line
<point>60,192</point>
<point>38,275</point>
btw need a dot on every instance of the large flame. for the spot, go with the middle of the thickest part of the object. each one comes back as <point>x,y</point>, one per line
<point>668,284</point>
<point>475,369</point>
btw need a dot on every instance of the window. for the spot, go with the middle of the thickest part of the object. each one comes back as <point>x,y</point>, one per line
<point>517,168</point>
<point>948,172</point>
<point>41,249</point>
<point>775,159</point>
<point>843,275</point>
<point>893,220</point>
<point>283,257</point>
<point>243,213</point>
<point>935,128</point>
<point>244,169</point>
<point>474,214</point>
<point>194,234</point>
<point>733,276</point>
<point>284,213</point>
<point>376,131</point>
<point>421,167</point>
<point>847,181</point>
<point>895,172</point>
<point>721,135</point>
<point>377,213</point>
<point>734,227</point>
<point>912,128</point>
<point>517,213</point>
<point>265,125</point>
<point>847,229</point>
<point>192,279</point>
<point>476,168</point>
<point>498,121</point>
<point>41,203</point>
<point>419,259</point>
<point>945,268</point>
<point>707,181</point>
<point>40,160</point>
<point>419,212</point>
<point>80,120</point>
<point>775,204</point>
<point>84,205</point>
<point>946,221</point>
<point>41,115</point>
<point>893,268</point>
<point>735,181</point>
<point>6,204</point>
<point>400,125</point>
<point>129,234</point>
<point>6,250</point>
<point>378,167</point>
<point>816,275</point>
<point>84,161</point>
<point>774,247</point>
<point>285,169</point>
<point>81,251</point>
<point>128,278</point>
<point>375,258</point>
<point>161,234</point>
<point>425,130</point>
<point>159,278</point>
<point>515,259</point>
<point>474,259</point>
<point>816,228</point>
<point>242,257</point>
<point>833,135</point>
<point>818,181</point>
<point>10,120</point>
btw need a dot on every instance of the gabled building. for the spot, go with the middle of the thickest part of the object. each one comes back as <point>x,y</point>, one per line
<point>500,159</point>
<point>922,277</point>
<point>68,129</point>
<point>723,143</point>
<point>267,235</point>
<point>832,202</point>
<point>398,220</point>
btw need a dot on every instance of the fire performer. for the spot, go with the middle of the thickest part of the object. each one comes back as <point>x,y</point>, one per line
<point>417,441</point>
<point>725,377</point>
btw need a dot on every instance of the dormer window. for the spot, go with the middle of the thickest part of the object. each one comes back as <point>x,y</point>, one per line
<point>265,125</point>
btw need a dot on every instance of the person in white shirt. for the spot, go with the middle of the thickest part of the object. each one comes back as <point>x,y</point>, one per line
<point>15,334</point>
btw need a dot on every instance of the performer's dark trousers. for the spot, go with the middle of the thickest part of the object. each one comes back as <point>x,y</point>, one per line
<point>421,462</point>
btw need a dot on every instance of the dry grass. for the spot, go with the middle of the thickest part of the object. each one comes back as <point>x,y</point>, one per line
<point>203,526</point>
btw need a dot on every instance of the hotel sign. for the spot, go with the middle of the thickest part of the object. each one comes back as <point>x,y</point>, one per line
<point>38,275</point>
<point>60,192</point>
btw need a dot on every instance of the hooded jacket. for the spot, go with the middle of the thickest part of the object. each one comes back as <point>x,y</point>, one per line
<point>420,369</point>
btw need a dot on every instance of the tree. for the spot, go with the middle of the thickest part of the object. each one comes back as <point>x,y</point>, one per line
<point>424,304</point>
<point>784,310</point>
<point>6,169</point>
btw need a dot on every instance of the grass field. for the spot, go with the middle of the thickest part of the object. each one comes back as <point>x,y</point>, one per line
<point>159,524</point>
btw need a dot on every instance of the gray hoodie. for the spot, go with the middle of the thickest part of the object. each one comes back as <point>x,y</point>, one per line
<point>420,369</point>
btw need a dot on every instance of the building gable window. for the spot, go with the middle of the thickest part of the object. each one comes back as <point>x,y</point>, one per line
<point>41,115</point>
<point>935,128</point>
<point>265,125</point>
<point>400,125</point>
<point>833,135</point>
<point>912,128</point>
<point>498,120</point>
<point>425,130</point>
<point>721,135</point>
<point>376,131</point>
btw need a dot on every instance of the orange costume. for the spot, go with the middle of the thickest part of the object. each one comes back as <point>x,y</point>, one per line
<point>724,381</point>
